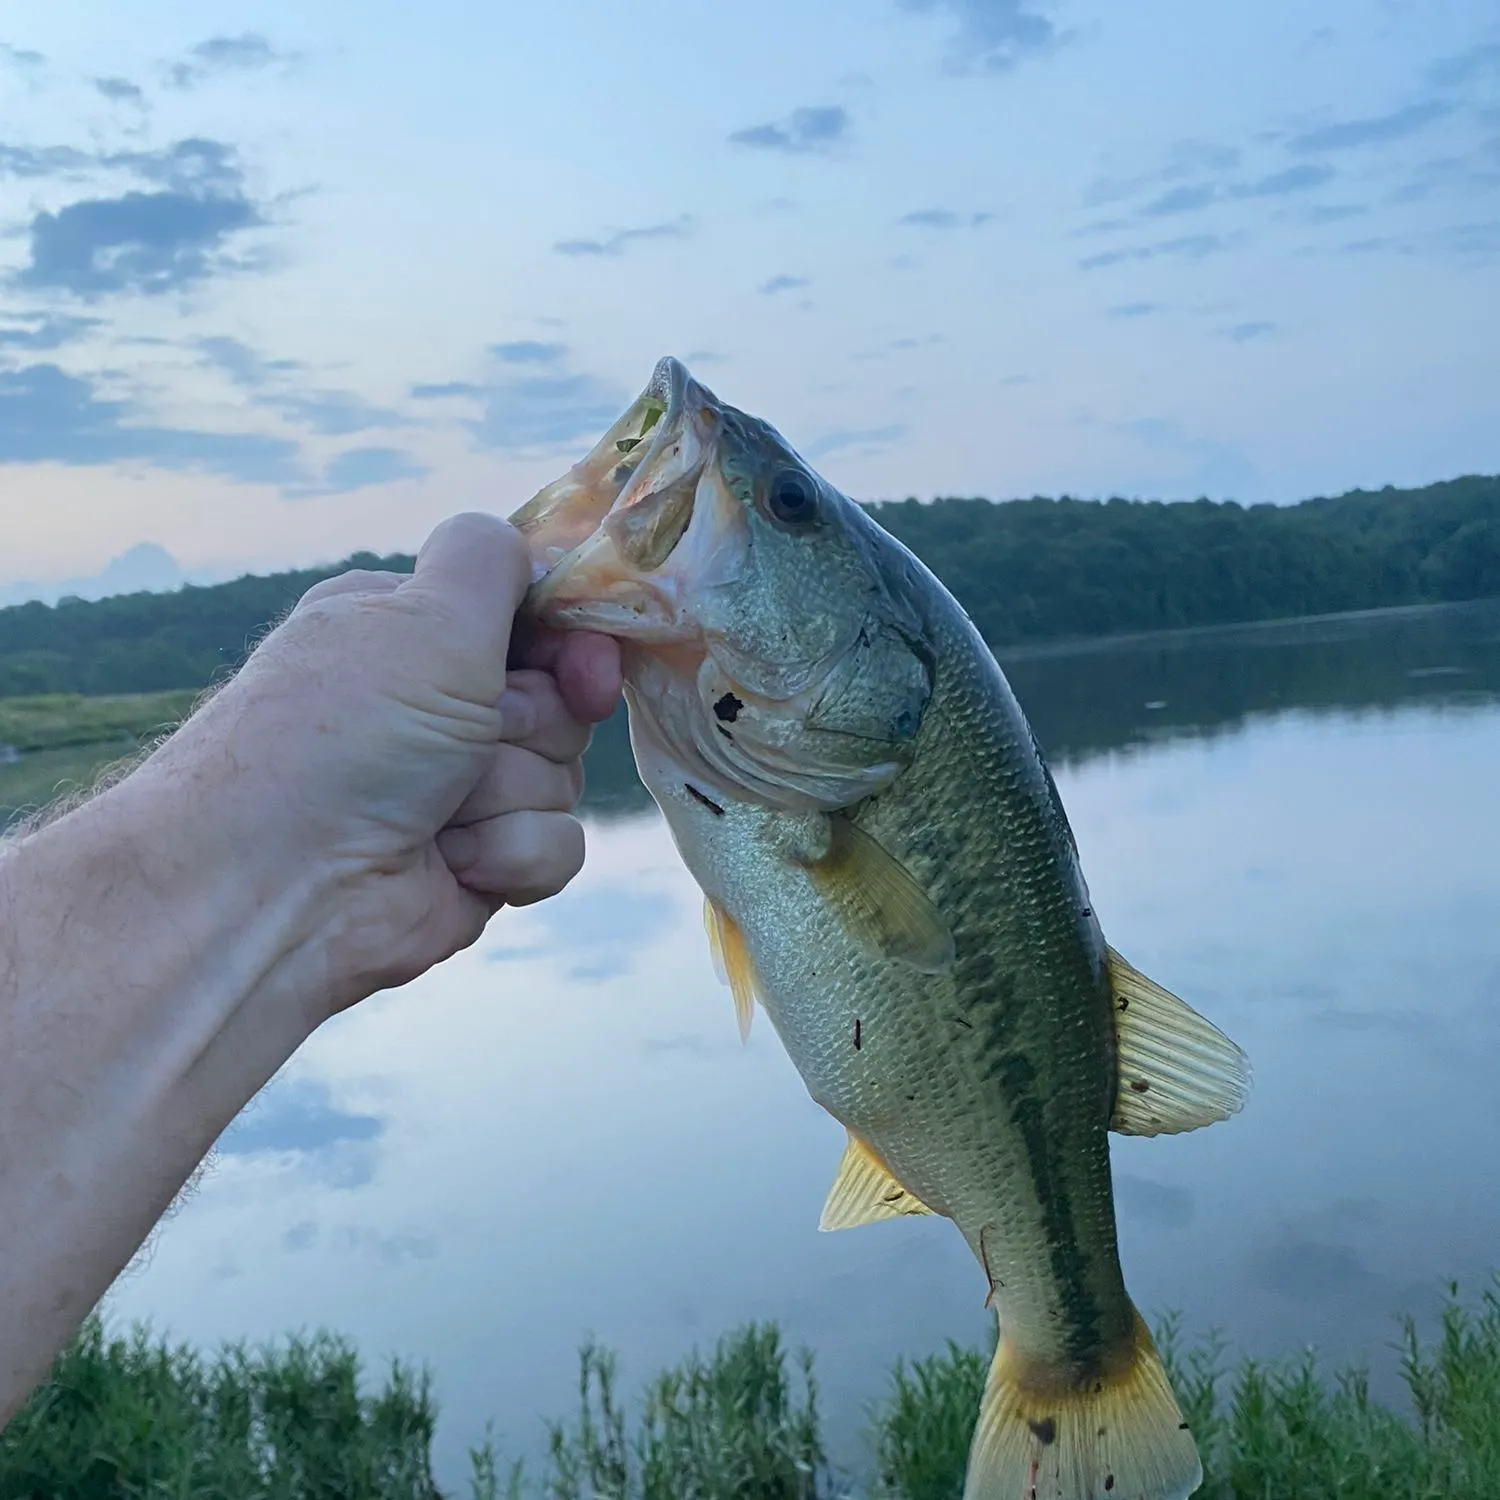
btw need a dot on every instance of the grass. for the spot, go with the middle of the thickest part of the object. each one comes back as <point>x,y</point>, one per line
<point>65,740</point>
<point>55,721</point>
<point>140,1418</point>
<point>37,779</point>
<point>132,1416</point>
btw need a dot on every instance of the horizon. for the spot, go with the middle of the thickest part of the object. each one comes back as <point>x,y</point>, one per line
<point>147,567</point>
<point>280,287</point>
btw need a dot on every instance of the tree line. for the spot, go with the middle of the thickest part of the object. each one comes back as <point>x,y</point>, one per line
<point>1025,570</point>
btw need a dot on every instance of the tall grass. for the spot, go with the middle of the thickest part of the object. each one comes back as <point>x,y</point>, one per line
<point>133,1417</point>
<point>136,1417</point>
<point>54,721</point>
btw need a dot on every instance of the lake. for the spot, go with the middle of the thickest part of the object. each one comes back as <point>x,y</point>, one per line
<point>558,1133</point>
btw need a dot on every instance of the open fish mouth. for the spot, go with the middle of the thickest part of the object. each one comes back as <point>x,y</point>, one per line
<point>602,533</point>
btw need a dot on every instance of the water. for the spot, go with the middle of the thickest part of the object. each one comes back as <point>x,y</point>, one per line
<point>558,1133</point>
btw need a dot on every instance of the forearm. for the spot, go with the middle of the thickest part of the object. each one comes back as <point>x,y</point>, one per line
<point>148,988</point>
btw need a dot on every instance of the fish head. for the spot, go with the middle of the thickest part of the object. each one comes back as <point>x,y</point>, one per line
<point>772,631</point>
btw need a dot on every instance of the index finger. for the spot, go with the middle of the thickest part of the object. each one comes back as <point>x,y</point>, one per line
<point>585,666</point>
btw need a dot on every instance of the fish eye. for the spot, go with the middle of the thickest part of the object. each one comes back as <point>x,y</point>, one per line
<point>791,499</point>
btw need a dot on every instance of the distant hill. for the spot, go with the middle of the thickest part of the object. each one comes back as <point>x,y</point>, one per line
<point>144,566</point>
<point>149,642</point>
<point>1026,570</point>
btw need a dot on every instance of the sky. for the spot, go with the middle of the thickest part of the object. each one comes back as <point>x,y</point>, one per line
<point>279,282</point>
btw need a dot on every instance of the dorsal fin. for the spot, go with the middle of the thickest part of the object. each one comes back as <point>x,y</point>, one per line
<point>864,1191</point>
<point>731,962</point>
<point>1177,1071</point>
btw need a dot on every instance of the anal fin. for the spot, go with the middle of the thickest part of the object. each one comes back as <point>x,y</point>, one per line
<point>864,1192</point>
<point>731,962</point>
<point>1177,1071</point>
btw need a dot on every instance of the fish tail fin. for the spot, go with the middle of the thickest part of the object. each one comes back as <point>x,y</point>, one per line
<point>1119,1436</point>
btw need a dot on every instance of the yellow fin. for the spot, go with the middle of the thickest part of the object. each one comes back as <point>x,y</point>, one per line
<point>865,1192</point>
<point>732,963</point>
<point>1177,1071</point>
<point>878,901</point>
<point>1119,1436</point>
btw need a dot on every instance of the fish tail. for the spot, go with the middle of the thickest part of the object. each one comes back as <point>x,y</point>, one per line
<point>1118,1436</point>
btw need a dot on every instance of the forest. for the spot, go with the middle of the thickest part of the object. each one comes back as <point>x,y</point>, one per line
<point>1025,570</point>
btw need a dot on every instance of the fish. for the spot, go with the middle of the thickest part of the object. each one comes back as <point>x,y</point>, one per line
<point>890,875</point>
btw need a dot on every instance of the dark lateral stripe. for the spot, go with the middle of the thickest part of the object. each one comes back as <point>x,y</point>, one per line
<point>1084,1339</point>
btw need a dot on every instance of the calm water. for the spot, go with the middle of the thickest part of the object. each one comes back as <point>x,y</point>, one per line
<point>558,1133</point>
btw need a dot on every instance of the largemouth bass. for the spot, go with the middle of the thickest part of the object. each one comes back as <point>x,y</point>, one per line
<point>890,874</point>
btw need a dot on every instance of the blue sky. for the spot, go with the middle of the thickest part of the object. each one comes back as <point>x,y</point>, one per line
<point>281,281</point>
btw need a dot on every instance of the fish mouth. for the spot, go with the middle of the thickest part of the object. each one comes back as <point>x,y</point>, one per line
<point>602,535</point>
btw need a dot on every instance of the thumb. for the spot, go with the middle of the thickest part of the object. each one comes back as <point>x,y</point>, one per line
<point>477,566</point>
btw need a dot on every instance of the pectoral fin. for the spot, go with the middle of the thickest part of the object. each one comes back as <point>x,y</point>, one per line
<point>865,1192</point>
<point>732,963</point>
<point>1177,1071</point>
<point>878,901</point>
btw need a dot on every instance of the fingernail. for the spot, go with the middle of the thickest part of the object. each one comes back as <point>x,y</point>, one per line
<point>517,715</point>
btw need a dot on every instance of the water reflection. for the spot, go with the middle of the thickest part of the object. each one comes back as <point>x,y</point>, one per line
<point>562,1134</point>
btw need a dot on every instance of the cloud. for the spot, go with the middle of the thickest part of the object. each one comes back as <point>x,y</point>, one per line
<point>1376,131</point>
<point>545,411</point>
<point>1464,174</point>
<point>148,243</point>
<point>1480,61</point>
<point>298,1116</point>
<point>242,364</point>
<point>1186,247</point>
<point>1186,159</point>
<point>943,218</point>
<point>866,438</point>
<point>1298,179</point>
<point>1189,199</point>
<point>444,390</point>
<point>1133,310</point>
<point>1475,241</point>
<point>1366,246</point>
<point>811,128</point>
<point>616,243</point>
<point>333,413</point>
<point>532,402</point>
<point>49,416</point>
<point>21,57</point>
<point>44,331</point>
<point>249,52</point>
<point>191,165</point>
<point>599,933</point>
<point>529,352</point>
<point>992,36</point>
<point>358,468</point>
<point>1242,333</point>
<point>1332,213</point>
<point>1180,201</point>
<point>121,91</point>
<point>142,242</point>
<point>782,283</point>
<point>43,161</point>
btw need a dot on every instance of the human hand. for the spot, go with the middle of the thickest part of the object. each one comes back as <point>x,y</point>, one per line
<point>393,746</point>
